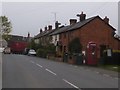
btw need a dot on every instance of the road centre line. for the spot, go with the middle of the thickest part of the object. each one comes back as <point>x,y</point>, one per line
<point>106,75</point>
<point>87,69</point>
<point>50,71</point>
<point>76,66</point>
<point>116,78</point>
<point>97,72</point>
<point>39,65</point>
<point>32,62</point>
<point>70,83</point>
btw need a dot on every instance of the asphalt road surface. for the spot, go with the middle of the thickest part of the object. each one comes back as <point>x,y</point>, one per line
<point>20,71</point>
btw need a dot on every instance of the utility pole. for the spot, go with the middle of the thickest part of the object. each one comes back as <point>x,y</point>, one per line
<point>1,33</point>
<point>55,15</point>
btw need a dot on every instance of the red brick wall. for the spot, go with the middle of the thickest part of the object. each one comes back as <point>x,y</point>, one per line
<point>96,31</point>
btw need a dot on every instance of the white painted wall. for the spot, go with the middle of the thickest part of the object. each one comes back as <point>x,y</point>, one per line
<point>37,41</point>
<point>55,38</point>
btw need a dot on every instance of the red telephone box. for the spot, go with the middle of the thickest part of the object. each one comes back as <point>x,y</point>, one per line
<point>91,58</point>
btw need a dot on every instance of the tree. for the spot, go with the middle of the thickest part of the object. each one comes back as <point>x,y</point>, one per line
<point>32,44</point>
<point>5,26</point>
<point>75,46</point>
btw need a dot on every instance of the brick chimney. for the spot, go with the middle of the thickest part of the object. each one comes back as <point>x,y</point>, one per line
<point>106,20</point>
<point>73,21</point>
<point>81,16</point>
<point>45,28</point>
<point>28,38</point>
<point>50,27</point>
<point>57,24</point>
<point>40,30</point>
<point>28,35</point>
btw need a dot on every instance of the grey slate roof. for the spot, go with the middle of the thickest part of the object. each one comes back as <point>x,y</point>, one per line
<point>73,26</point>
<point>39,35</point>
<point>49,32</point>
<point>44,33</point>
<point>80,24</point>
<point>60,30</point>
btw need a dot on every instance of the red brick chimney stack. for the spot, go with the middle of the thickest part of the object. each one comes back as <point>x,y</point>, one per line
<point>57,24</point>
<point>106,19</point>
<point>28,34</point>
<point>40,30</point>
<point>50,27</point>
<point>81,16</point>
<point>45,28</point>
<point>72,21</point>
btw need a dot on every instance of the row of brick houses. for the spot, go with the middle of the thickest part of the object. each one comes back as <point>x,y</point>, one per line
<point>93,29</point>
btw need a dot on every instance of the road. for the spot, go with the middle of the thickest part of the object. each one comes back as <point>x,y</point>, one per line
<point>20,71</point>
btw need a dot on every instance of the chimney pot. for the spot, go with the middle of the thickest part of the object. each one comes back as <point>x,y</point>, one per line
<point>73,21</point>
<point>50,27</point>
<point>81,16</point>
<point>46,28</point>
<point>40,30</point>
<point>106,19</point>
<point>28,34</point>
<point>57,24</point>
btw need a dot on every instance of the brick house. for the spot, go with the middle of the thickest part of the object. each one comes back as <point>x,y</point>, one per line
<point>93,29</point>
<point>43,37</point>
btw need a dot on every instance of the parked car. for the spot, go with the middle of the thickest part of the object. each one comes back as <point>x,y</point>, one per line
<point>32,52</point>
<point>7,50</point>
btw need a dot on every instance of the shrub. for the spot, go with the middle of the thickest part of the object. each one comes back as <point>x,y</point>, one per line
<point>44,51</point>
<point>41,53</point>
<point>75,46</point>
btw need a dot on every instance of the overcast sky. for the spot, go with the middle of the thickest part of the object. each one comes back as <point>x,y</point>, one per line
<point>31,16</point>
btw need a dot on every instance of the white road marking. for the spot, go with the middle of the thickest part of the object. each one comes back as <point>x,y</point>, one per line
<point>106,75</point>
<point>39,65</point>
<point>50,71</point>
<point>97,72</point>
<point>32,62</point>
<point>115,78</point>
<point>70,83</point>
<point>88,70</point>
<point>75,66</point>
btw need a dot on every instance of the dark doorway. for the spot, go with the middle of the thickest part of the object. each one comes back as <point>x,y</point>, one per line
<point>102,48</point>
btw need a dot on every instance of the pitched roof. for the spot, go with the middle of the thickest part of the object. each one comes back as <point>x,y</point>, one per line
<point>73,26</point>
<point>44,33</point>
<point>60,30</point>
<point>39,35</point>
<point>77,25</point>
<point>49,32</point>
<point>80,24</point>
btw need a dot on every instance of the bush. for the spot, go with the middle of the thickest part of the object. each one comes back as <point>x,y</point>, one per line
<point>41,53</point>
<point>75,46</point>
<point>44,51</point>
